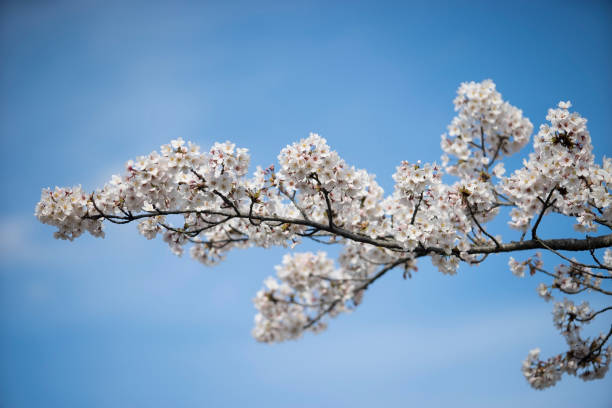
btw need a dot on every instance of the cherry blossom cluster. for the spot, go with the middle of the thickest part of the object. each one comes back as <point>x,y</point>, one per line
<point>533,263</point>
<point>328,189</point>
<point>572,278</point>
<point>307,281</point>
<point>206,202</point>
<point>427,213</point>
<point>308,289</point>
<point>586,358</point>
<point>486,128</point>
<point>309,286</point>
<point>561,175</point>
<point>65,208</point>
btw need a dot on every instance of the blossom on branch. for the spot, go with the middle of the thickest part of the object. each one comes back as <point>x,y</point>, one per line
<point>313,194</point>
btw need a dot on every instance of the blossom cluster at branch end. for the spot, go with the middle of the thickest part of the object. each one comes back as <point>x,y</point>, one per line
<point>561,171</point>
<point>586,358</point>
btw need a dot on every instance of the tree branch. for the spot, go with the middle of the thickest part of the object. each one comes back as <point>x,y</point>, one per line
<point>563,244</point>
<point>594,314</point>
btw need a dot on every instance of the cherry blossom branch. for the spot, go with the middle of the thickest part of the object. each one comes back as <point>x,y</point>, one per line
<point>603,222</point>
<point>370,281</point>
<point>562,244</point>
<point>338,204</point>
<point>585,284</point>
<point>594,314</point>
<point>576,263</point>
<point>595,351</point>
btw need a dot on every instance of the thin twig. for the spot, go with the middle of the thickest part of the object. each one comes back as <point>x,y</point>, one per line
<point>573,262</point>
<point>592,252</point>
<point>586,285</point>
<point>416,209</point>
<point>502,140</point>
<point>594,314</point>
<point>480,226</point>
<point>227,201</point>
<point>384,270</point>
<point>545,206</point>
<point>597,349</point>
<point>294,202</point>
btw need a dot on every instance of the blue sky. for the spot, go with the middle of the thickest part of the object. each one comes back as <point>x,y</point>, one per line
<point>121,322</point>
